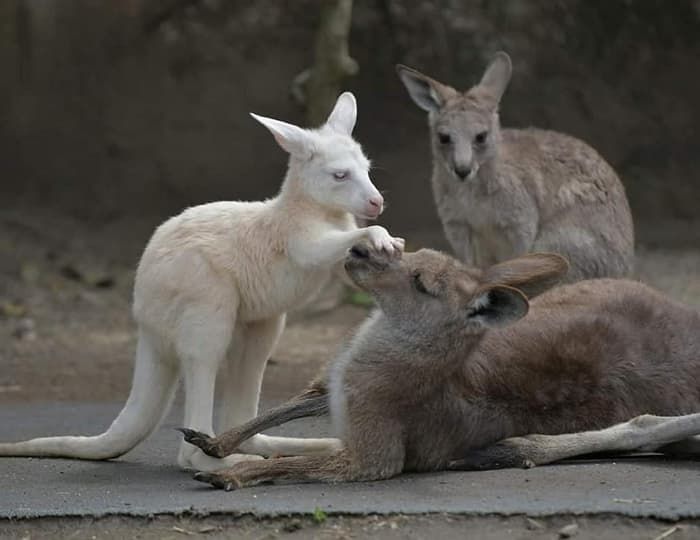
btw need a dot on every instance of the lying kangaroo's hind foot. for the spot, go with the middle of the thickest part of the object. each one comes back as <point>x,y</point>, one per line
<point>309,403</point>
<point>204,442</point>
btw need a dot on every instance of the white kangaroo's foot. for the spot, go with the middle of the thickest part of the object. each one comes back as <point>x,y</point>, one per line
<point>271,446</point>
<point>196,460</point>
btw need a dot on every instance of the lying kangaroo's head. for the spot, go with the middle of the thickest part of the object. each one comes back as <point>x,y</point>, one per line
<point>428,290</point>
<point>326,165</point>
<point>464,126</point>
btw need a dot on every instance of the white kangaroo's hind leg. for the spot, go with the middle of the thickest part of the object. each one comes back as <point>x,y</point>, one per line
<point>152,390</point>
<point>203,338</point>
<point>241,392</point>
<point>243,374</point>
<point>227,416</point>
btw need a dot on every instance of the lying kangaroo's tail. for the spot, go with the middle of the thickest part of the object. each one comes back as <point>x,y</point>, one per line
<point>152,391</point>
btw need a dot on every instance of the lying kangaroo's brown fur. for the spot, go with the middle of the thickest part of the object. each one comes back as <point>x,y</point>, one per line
<point>449,364</point>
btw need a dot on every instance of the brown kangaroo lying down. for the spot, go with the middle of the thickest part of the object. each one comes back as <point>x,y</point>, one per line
<point>449,365</point>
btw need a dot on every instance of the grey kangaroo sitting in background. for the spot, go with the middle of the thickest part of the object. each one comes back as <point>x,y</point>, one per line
<point>505,192</point>
<point>449,364</point>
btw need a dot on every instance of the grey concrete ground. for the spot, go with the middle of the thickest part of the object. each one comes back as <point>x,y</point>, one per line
<point>146,481</point>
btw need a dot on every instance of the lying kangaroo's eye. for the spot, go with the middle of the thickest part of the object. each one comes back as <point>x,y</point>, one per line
<point>480,138</point>
<point>444,138</point>
<point>340,175</point>
<point>418,284</point>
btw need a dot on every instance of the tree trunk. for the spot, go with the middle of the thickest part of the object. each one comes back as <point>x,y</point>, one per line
<point>332,62</point>
<point>332,66</point>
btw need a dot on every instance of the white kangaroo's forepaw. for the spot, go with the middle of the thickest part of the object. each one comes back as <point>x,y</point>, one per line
<point>380,239</point>
<point>398,243</point>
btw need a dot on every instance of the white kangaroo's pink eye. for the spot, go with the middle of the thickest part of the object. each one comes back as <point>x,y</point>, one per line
<point>340,175</point>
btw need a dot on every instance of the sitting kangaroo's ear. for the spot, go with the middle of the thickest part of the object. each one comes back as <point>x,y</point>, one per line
<point>425,92</point>
<point>532,274</point>
<point>497,305</point>
<point>497,76</point>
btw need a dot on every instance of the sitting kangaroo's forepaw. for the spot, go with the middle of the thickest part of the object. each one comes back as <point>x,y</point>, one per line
<point>218,480</point>
<point>203,441</point>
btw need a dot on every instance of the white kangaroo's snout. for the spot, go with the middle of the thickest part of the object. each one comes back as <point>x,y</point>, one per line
<point>367,202</point>
<point>375,205</point>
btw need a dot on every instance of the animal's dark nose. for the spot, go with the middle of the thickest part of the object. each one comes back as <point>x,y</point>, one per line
<point>463,172</point>
<point>359,252</point>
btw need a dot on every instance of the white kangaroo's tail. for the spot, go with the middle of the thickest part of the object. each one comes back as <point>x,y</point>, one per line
<point>151,394</point>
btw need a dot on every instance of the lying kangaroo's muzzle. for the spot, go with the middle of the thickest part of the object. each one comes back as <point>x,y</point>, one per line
<point>361,257</point>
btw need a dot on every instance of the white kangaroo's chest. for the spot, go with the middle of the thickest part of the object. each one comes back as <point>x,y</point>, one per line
<point>279,287</point>
<point>228,256</point>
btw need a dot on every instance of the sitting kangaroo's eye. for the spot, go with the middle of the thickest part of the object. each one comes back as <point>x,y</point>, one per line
<point>481,137</point>
<point>340,175</point>
<point>418,284</point>
<point>444,138</point>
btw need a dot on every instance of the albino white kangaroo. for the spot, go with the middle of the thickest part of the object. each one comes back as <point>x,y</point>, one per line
<point>505,192</point>
<point>213,286</point>
<point>450,364</point>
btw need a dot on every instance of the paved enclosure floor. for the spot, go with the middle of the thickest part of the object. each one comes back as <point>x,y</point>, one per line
<point>146,481</point>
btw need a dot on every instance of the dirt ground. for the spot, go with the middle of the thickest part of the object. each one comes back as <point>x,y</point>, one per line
<point>65,325</point>
<point>433,526</point>
<point>66,334</point>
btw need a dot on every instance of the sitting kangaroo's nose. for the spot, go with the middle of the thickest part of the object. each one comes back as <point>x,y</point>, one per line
<point>462,171</point>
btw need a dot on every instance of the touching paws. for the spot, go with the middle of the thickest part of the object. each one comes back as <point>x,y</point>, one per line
<point>380,240</point>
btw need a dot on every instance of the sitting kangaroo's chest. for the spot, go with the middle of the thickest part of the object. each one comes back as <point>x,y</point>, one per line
<point>496,219</point>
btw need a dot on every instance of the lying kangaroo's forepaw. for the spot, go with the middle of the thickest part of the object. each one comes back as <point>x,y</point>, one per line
<point>218,480</point>
<point>501,455</point>
<point>203,441</point>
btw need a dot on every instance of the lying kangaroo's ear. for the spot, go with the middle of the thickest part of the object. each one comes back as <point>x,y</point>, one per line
<point>532,274</point>
<point>497,305</point>
<point>427,93</point>
<point>497,76</point>
<point>291,138</point>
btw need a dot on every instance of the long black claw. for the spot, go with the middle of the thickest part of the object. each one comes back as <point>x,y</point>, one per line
<point>195,437</point>
<point>192,435</point>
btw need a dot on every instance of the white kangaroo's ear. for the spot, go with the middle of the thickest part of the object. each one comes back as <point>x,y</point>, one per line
<point>497,305</point>
<point>344,115</point>
<point>291,138</point>
<point>497,76</point>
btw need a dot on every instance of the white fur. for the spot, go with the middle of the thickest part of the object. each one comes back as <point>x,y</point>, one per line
<point>213,286</point>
